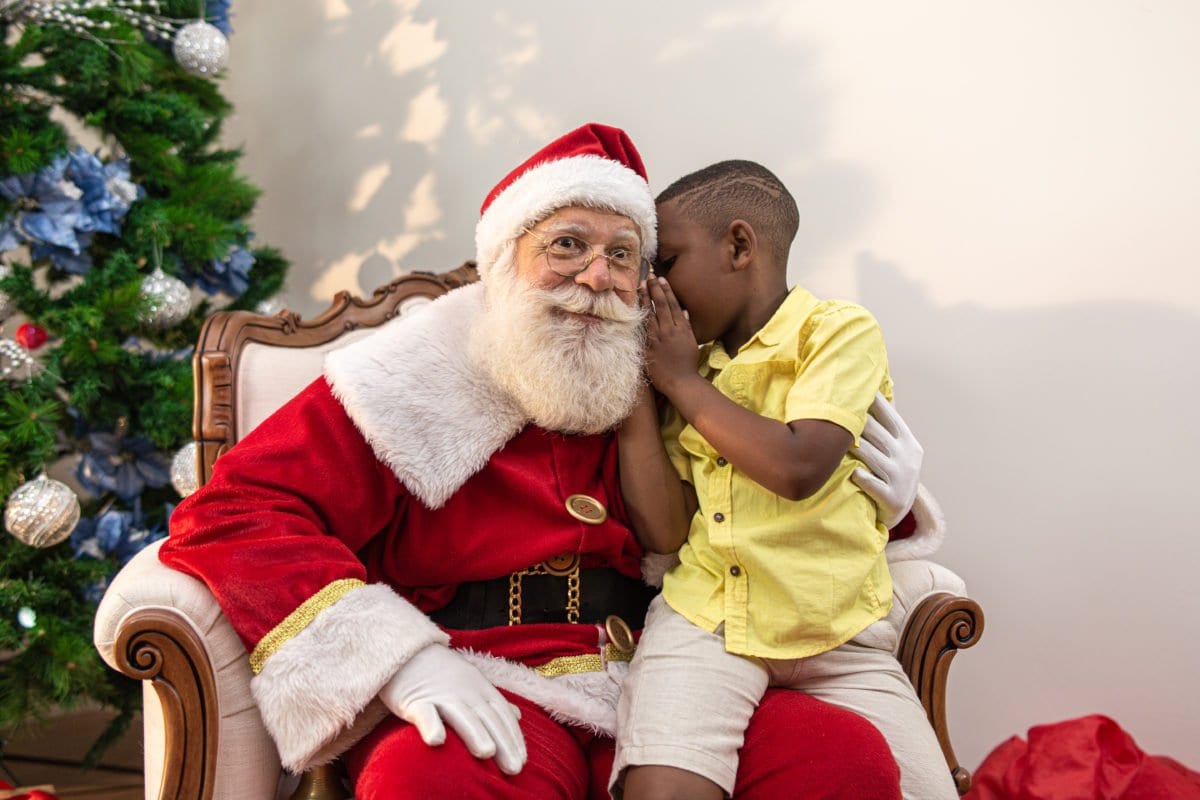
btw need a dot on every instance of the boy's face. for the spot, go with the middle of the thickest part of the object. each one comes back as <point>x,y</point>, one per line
<point>689,257</point>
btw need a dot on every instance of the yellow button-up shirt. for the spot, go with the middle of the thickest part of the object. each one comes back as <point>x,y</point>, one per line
<point>788,579</point>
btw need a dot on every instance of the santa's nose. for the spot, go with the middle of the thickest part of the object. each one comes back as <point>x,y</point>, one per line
<point>597,275</point>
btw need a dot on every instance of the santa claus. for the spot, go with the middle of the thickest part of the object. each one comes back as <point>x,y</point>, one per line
<point>426,552</point>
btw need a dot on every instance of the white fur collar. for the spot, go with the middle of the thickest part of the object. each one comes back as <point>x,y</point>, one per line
<point>427,410</point>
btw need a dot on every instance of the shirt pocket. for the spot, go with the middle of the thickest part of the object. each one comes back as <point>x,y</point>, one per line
<point>761,387</point>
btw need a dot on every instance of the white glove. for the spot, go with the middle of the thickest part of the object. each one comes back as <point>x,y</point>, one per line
<point>438,684</point>
<point>894,456</point>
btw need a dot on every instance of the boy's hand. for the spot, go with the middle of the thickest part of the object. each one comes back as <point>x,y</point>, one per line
<point>671,349</point>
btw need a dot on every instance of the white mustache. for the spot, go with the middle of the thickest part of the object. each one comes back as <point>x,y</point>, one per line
<point>578,299</point>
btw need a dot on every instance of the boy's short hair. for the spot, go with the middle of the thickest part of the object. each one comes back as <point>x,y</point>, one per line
<point>715,196</point>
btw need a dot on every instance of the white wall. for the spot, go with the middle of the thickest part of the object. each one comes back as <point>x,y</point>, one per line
<point>1011,187</point>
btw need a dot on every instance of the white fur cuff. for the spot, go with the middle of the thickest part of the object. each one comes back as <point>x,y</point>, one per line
<point>585,699</point>
<point>313,689</point>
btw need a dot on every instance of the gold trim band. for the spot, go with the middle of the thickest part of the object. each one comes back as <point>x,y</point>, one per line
<point>573,665</point>
<point>299,619</point>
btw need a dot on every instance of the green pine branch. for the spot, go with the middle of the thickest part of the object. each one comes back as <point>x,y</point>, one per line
<point>105,368</point>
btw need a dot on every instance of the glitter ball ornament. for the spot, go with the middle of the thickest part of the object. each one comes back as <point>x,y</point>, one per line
<point>201,49</point>
<point>15,363</point>
<point>183,470</point>
<point>170,300</point>
<point>7,305</point>
<point>42,512</point>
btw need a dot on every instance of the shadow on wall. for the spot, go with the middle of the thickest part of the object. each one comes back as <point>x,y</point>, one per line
<point>1072,513</point>
<point>387,126</point>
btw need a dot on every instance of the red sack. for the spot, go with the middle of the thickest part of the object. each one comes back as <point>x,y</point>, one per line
<point>1090,758</point>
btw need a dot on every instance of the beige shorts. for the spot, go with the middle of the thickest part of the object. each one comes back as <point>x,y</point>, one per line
<point>686,703</point>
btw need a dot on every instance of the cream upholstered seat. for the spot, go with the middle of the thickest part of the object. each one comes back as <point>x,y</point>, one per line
<point>203,736</point>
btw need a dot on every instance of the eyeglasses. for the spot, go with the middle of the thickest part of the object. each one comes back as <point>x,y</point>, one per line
<point>569,255</point>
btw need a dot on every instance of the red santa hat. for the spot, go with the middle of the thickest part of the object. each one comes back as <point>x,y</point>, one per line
<point>595,166</point>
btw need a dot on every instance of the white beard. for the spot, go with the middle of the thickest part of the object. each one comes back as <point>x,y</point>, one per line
<point>568,374</point>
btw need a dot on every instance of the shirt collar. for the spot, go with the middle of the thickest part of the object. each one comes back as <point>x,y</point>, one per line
<point>797,305</point>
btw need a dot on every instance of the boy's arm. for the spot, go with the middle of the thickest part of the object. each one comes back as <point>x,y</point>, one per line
<point>792,460</point>
<point>659,503</point>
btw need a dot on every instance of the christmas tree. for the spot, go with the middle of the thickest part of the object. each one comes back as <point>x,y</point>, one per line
<point>111,255</point>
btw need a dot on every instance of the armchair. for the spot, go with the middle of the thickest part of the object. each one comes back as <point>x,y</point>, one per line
<point>203,737</point>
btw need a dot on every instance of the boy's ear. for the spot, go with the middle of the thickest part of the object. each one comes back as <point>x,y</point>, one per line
<point>743,243</point>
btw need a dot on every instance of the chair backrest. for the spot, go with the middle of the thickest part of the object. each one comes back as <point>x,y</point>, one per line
<point>247,365</point>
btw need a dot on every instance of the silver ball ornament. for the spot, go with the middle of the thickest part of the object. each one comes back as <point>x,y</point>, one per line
<point>26,617</point>
<point>42,512</point>
<point>170,300</point>
<point>201,49</point>
<point>269,307</point>
<point>183,470</point>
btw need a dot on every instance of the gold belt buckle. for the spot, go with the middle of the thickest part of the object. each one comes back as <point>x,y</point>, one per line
<point>566,564</point>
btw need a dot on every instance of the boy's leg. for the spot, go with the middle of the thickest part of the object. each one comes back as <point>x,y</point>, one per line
<point>685,702</point>
<point>393,763</point>
<point>870,682</point>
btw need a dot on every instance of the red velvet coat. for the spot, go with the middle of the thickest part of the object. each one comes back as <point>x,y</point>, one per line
<point>332,529</point>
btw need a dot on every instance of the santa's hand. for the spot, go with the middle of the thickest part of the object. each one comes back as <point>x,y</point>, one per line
<point>438,685</point>
<point>894,457</point>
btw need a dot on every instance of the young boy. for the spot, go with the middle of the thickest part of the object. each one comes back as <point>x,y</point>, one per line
<point>783,570</point>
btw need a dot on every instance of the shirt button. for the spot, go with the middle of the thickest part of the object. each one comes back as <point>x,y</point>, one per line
<point>735,570</point>
<point>719,517</point>
<point>721,461</point>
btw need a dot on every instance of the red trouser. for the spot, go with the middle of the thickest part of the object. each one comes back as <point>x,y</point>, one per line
<point>796,747</point>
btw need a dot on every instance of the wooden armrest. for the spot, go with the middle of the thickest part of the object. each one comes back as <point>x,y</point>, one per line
<point>941,625</point>
<point>203,736</point>
<point>161,646</point>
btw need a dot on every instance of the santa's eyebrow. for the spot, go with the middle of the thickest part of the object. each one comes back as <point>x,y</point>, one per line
<point>623,235</point>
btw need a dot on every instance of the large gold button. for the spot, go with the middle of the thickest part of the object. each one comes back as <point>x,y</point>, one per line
<point>619,633</point>
<point>586,509</point>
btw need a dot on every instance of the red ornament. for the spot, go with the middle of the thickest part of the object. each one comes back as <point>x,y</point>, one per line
<point>31,336</point>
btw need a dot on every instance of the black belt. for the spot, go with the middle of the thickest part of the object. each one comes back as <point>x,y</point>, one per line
<point>602,591</point>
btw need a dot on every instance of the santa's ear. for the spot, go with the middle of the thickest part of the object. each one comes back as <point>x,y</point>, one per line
<point>742,242</point>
